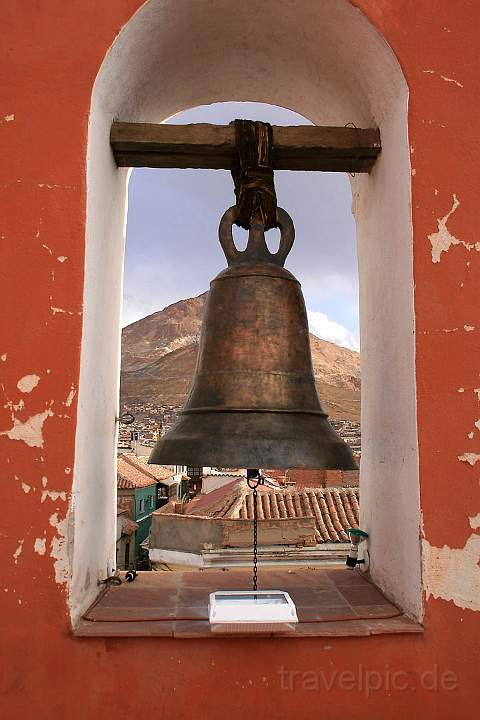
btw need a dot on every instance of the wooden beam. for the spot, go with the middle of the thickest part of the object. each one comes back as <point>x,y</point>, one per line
<point>298,147</point>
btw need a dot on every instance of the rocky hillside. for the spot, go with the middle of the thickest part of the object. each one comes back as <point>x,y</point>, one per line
<point>149,339</point>
<point>159,354</point>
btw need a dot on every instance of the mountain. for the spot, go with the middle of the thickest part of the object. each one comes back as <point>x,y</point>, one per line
<point>149,339</point>
<point>159,354</point>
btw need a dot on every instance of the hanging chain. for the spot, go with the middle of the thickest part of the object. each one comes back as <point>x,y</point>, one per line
<point>255,538</point>
<point>254,479</point>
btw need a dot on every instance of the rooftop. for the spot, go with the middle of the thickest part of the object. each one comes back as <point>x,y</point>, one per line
<point>334,509</point>
<point>133,472</point>
<point>159,472</point>
<point>128,526</point>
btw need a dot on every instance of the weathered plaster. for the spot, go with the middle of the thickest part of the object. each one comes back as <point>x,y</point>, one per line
<point>59,551</point>
<point>70,396</point>
<point>27,383</point>
<point>470,458</point>
<point>442,240</point>
<point>444,77</point>
<point>40,546</point>
<point>53,495</point>
<point>453,574</point>
<point>18,551</point>
<point>30,431</point>
<point>475,522</point>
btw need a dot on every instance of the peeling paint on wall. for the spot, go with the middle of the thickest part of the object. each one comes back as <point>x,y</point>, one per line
<point>53,495</point>
<point>443,239</point>
<point>475,522</point>
<point>444,77</point>
<point>470,458</point>
<point>30,431</point>
<point>40,546</point>
<point>18,551</point>
<point>59,552</point>
<point>27,383</point>
<point>12,406</point>
<point>70,396</point>
<point>453,574</point>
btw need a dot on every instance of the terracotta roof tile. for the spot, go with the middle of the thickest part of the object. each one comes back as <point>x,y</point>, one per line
<point>128,526</point>
<point>159,472</point>
<point>208,503</point>
<point>130,475</point>
<point>334,509</point>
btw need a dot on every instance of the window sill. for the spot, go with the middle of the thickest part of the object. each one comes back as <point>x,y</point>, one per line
<point>332,602</point>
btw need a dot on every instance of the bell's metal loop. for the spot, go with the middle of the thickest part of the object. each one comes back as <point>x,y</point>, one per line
<point>253,402</point>
<point>257,249</point>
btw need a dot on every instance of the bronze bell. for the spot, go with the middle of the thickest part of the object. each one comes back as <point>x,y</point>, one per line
<point>253,402</point>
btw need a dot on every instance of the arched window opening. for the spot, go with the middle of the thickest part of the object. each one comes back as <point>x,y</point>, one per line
<point>172,224</point>
<point>327,63</point>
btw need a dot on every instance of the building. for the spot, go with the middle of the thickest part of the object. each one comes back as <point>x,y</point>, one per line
<point>125,546</point>
<point>303,526</point>
<point>140,493</point>
<point>314,478</point>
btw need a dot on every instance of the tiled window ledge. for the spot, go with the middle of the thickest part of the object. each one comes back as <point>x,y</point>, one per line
<point>330,603</point>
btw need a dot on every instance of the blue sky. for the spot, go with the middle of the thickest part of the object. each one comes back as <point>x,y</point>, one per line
<point>172,247</point>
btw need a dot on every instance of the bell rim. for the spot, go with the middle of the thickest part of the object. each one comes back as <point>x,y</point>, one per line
<point>270,411</point>
<point>266,441</point>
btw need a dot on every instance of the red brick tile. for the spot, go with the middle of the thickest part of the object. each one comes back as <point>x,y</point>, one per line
<point>353,628</point>
<point>375,610</point>
<point>344,576</point>
<point>307,597</point>
<point>128,629</point>
<point>327,595</point>
<point>366,595</point>
<point>401,624</point>
<point>193,597</point>
<point>325,613</point>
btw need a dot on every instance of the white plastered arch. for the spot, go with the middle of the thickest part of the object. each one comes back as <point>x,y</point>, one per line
<point>326,61</point>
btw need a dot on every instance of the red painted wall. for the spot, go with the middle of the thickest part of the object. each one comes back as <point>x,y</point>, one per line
<point>53,52</point>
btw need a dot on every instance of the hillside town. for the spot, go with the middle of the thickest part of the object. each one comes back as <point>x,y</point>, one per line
<point>153,421</point>
<point>155,503</point>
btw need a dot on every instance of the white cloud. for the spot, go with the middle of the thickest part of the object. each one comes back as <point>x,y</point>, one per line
<point>326,329</point>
